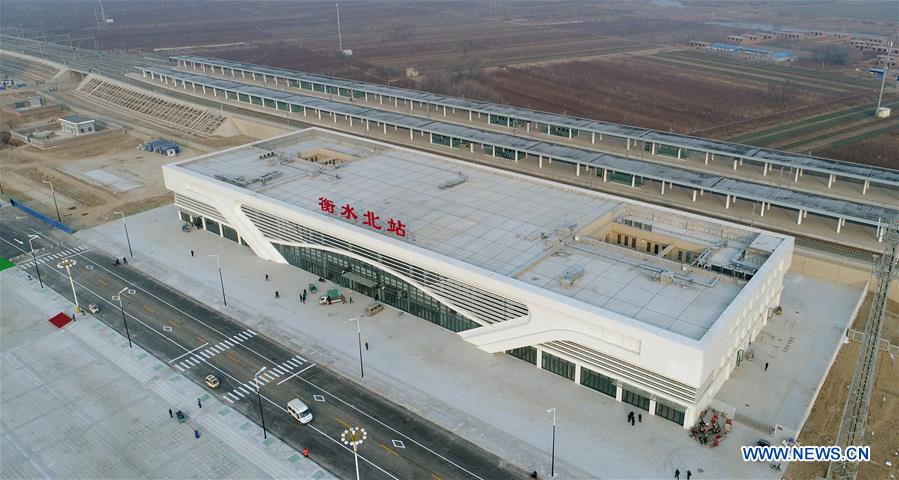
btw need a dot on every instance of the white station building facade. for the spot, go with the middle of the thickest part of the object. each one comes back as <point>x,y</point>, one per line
<point>644,304</point>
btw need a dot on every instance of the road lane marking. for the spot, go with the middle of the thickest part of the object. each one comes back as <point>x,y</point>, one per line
<point>102,282</point>
<point>149,308</point>
<point>385,447</point>
<point>296,373</point>
<point>233,357</point>
<point>347,425</point>
<point>435,477</point>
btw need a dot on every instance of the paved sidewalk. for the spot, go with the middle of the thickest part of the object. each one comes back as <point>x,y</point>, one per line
<point>78,403</point>
<point>496,401</point>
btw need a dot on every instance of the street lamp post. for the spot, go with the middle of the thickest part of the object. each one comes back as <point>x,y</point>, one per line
<point>68,263</point>
<point>122,308</point>
<point>55,204</point>
<point>354,436</point>
<point>259,397</point>
<point>33,256</point>
<point>552,465</point>
<point>221,280</point>
<point>358,321</point>
<point>127,238</point>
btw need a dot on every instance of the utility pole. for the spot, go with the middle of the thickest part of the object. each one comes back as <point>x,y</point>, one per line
<point>122,308</point>
<point>552,465</point>
<point>339,37</point>
<point>52,191</point>
<point>883,80</point>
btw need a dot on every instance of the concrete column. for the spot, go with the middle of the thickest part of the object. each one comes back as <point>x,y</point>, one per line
<point>762,212</point>
<point>381,99</point>
<point>145,73</point>
<point>796,175</point>
<point>735,164</point>
<point>727,201</point>
<point>839,224</point>
<point>694,195</point>
<point>527,127</point>
<point>515,154</point>
<point>801,172</point>
<point>652,406</point>
<point>578,170</point>
<point>254,75</point>
<point>633,181</point>
<point>396,102</point>
<point>385,129</point>
<point>741,162</point>
<point>351,121</point>
<point>619,392</point>
<point>411,132</point>
<point>701,192</point>
<point>577,374</point>
<point>469,116</point>
<point>628,140</point>
<point>592,137</point>
<point>799,218</point>
<point>471,147</point>
<point>539,358</point>
<point>830,180</point>
<point>653,148</point>
<point>663,187</point>
<point>479,114</point>
<point>411,106</point>
<point>765,169</point>
<point>319,114</point>
<point>605,174</point>
<point>492,150</point>
<point>431,136</point>
<point>204,89</point>
<point>679,150</point>
<point>243,74</point>
<point>215,92</point>
<point>865,187</point>
<point>334,116</point>
<point>367,125</point>
<point>570,134</point>
<point>304,111</point>
<point>540,161</point>
<point>706,158</point>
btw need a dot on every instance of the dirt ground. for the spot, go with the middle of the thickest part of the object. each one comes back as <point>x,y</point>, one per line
<point>882,432</point>
<point>125,179</point>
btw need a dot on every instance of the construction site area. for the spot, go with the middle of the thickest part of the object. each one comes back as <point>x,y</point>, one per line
<point>803,148</point>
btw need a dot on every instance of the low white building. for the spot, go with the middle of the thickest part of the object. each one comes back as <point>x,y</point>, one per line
<point>648,305</point>
<point>77,125</point>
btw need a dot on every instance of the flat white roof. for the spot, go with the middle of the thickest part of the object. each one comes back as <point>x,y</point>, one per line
<point>504,223</point>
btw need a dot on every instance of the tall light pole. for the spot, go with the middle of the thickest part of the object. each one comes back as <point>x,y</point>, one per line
<point>221,280</point>
<point>68,263</point>
<point>33,256</point>
<point>259,397</point>
<point>122,308</point>
<point>127,238</point>
<point>358,321</point>
<point>552,465</point>
<point>354,436</point>
<point>52,191</point>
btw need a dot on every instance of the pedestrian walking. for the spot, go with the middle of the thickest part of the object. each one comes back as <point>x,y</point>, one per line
<point>125,260</point>
<point>304,294</point>
<point>277,295</point>
<point>633,422</point>
<point>630,415</point>
<point>676,474</point>
<point>366,346</point>
<point>171,415</point>
<point>191,253</point>
<point>199,403</point>
<point>351,299</point>
<point>640,417</point>
<point>266,277</point>
<point>766,366</point>
<point>305,452</point>
<point>689,474</point>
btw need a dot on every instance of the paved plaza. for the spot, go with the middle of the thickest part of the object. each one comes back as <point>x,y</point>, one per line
<point>496,401</point>
<point>78,403</point>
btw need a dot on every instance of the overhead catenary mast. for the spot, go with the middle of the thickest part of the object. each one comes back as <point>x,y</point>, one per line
<point>883,79</point>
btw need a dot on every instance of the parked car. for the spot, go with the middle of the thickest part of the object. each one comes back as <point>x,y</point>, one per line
<point>326,300</point>
<point>299,411</point>
<point>373,308</point>
<point>212,382</point>
<point>93,308</point>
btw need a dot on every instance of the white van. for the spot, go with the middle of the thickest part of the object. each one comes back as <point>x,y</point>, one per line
<point>299,410</point>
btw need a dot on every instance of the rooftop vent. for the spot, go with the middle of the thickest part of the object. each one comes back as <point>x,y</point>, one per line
<point>571,275</point>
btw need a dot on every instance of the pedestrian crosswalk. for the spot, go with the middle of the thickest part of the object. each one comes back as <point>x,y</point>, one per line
<point>201,356</point>
<point>51,257</point>
<point>284,369</point>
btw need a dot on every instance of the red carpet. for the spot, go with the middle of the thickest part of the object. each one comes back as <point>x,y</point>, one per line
<point>60,319</point>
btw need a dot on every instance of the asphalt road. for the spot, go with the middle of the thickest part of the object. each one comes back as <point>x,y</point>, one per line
<point>197,341</point>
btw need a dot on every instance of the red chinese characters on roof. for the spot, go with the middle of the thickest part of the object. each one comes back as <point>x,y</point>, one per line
<point>369,219</point>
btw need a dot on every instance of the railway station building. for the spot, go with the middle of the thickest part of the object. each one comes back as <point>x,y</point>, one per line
<point>644,304</point>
